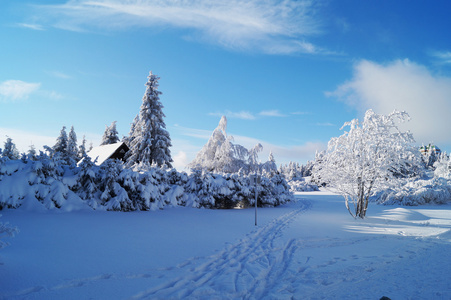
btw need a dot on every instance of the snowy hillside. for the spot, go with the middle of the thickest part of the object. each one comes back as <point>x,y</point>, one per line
<point>307,249</point>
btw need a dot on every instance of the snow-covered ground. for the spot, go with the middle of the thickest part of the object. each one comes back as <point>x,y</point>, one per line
<point>308,249</point>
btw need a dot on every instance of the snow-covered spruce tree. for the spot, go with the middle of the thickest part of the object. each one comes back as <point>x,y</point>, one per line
<point>270,168</point>
<point>32,155</point>
<point>110,136</point>
<point>61,142</point>
<point>72,149</point>
<point>114,196</point>
<point>149,140</point>
<point>82,149</point>
<point>86,181</point>
<point>366,157</point>
<point>10,151</point>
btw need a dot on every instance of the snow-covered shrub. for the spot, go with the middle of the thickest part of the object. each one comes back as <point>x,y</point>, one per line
<point>442,167</point>
<point>113,195</point>
<point>6,231</point>
<point>302,186</point>
<point>418,192</point>
<point>296,171</point>
<point>45,184</point>
<point>85,186</point>
<point>232,190</point>
<point>175,195</point>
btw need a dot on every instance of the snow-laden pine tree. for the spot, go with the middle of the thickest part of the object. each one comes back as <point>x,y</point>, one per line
<point>72,148</point>
<point>110,136</point>
<point>82,149</point>
<point>149,141</point>
<point>32,155</point>
<point>10,151</point>
<point>270,166</point>
<point>366,157</point>
<point>61,142</point>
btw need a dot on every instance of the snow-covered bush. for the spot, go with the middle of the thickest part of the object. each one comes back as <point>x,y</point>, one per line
<point>302,186</point>
<point>6,231</point>
<point>46,184</point>
<point>442,167</point>
<point>418,192</point>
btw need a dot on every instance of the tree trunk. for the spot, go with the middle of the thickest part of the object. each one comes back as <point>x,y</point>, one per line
<point>360,210</point>
<point>347,205</point>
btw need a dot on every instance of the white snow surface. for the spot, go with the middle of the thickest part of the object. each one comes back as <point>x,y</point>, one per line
<point>308,249</point>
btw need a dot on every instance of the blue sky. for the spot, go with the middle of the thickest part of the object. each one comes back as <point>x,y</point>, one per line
<point>286,74</point>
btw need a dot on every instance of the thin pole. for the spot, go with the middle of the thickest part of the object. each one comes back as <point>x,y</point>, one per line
<point>256,196</point>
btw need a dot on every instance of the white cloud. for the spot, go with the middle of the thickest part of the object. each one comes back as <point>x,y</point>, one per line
<point>180,161</point>
<point>59,74</point>
<point>272,113</point>
<point>301,113</point>
<point>31,26</point>
<point>244,115</point>
<point>327,124</point>
<point>17,90</point>
<point>402,85</point>
<point>269,26</point>
<point>444,57</point>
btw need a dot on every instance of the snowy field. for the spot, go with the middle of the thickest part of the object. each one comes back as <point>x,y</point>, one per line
<point>308,249</point>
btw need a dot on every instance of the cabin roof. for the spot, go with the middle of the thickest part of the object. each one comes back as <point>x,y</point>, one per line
<point>104,152</point>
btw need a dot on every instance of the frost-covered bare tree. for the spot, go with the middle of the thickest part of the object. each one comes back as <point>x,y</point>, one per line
<point>221,155</point>
<point>367,156</point>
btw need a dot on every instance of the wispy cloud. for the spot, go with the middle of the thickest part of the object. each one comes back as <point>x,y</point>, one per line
<point>31,26</point>
<point>270,26</point>
<point>59,74</point>
<point>191,132</point>
<point>272,113</point>
<point>327,124</point>
<point>13,90</point>
<point>244,115</point>
<point>300,113</point>
<point>444,57</point>
<point>17,90</point>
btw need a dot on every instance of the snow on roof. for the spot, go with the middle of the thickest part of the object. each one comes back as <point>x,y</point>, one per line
<point>102,153</point>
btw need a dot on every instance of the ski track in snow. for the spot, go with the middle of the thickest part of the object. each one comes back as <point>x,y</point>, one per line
<point>263,265</point>
<point>246,269</point>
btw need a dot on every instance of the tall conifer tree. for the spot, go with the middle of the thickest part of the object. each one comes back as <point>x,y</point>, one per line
<point>110,135</point>
<point>149,141</point>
